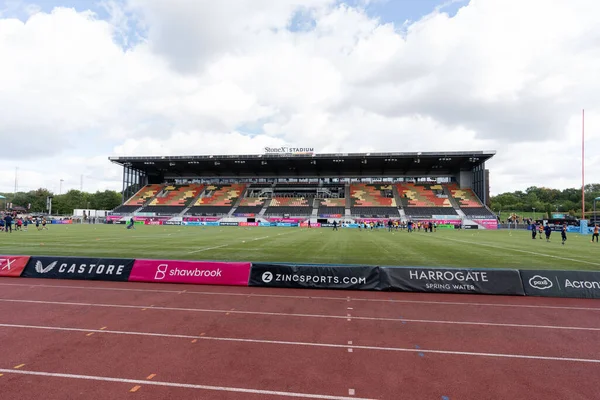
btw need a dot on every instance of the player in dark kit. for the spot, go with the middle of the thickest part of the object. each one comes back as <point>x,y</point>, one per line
<point>548,232</point>
<point>533,230</point>
<point>563,233</point>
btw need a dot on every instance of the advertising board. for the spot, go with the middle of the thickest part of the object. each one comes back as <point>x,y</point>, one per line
<point>451,280</point>
<point>315,276</point>
<point>194,272</point>
<point>85,268</point>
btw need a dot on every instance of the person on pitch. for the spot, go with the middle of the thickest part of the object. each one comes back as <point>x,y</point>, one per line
<point>548,232</point>
<point>563,234</point>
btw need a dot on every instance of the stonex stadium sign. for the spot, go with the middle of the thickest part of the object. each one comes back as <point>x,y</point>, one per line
<point>289,150</point>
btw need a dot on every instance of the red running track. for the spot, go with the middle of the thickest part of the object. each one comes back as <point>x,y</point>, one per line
<point>92,340</point>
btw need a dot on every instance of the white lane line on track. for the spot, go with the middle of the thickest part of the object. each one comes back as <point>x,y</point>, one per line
<point>179,385</point>
<point>450,303</point>
<point>306,344</point>
<point>522,251</point>
<point>323,316</point>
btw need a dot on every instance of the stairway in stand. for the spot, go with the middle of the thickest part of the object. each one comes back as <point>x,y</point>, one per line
<point>238,201</point>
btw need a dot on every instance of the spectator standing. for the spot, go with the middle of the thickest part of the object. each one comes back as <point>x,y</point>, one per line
<point>8,223</point>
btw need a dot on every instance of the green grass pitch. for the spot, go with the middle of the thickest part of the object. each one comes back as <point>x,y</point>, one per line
<point>445,248</point>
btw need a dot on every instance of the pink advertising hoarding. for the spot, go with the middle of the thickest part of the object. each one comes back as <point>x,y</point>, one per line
<point>487,223</point>
<point>289,220</point>
<point>200,219</point>
<point>193,272</point>
<point>138,218</point>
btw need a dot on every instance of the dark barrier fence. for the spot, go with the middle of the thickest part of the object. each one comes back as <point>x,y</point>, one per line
<point>101,269</point>
<point>405,279</point>
<point>315,276</point>
<point>551,283</point>
<point>450,280</point>
<point>580,284</point>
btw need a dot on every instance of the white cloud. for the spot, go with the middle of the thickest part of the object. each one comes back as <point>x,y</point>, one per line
<point>501,74</point>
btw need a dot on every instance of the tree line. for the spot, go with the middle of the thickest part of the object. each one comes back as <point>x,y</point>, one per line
<point>63,204</point>
<point>545,200</point>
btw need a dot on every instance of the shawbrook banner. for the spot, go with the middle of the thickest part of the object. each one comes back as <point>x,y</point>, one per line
<point>315,276</point>
<point>194,272</point>
<point>452,280</point>
<point>582,284</point>
<point>99,269</point>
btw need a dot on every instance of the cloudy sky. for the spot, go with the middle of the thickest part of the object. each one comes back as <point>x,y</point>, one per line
<point>84,80</point>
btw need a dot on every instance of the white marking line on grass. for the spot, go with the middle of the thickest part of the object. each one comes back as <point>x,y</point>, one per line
<point>234,243</point>
<point>274,314</point>
<point>306,344</point>
<point>85,241</point>
<point>180,385</point>
<point>312,297</point>
<point>450,303</point>
<point>523,251</point>
<point>264,237</point>
<point>208,248</point>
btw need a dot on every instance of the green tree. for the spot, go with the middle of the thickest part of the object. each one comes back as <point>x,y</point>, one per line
<point>106,200</point>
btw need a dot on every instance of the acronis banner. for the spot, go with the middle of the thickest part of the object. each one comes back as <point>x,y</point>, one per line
<point>554,283</point>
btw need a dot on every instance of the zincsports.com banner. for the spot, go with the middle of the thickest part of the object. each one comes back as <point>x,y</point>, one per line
<point>194,272</point>
<point>12,265</point>
<point>449,280</point>
<point>315,276</point>
<point>100,269</point>
<point>581,284</point>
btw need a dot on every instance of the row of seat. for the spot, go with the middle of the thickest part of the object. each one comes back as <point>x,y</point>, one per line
<point>365,199</point>
<point>177,195</point>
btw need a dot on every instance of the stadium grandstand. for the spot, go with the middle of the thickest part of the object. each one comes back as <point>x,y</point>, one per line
<point>315,187</point>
